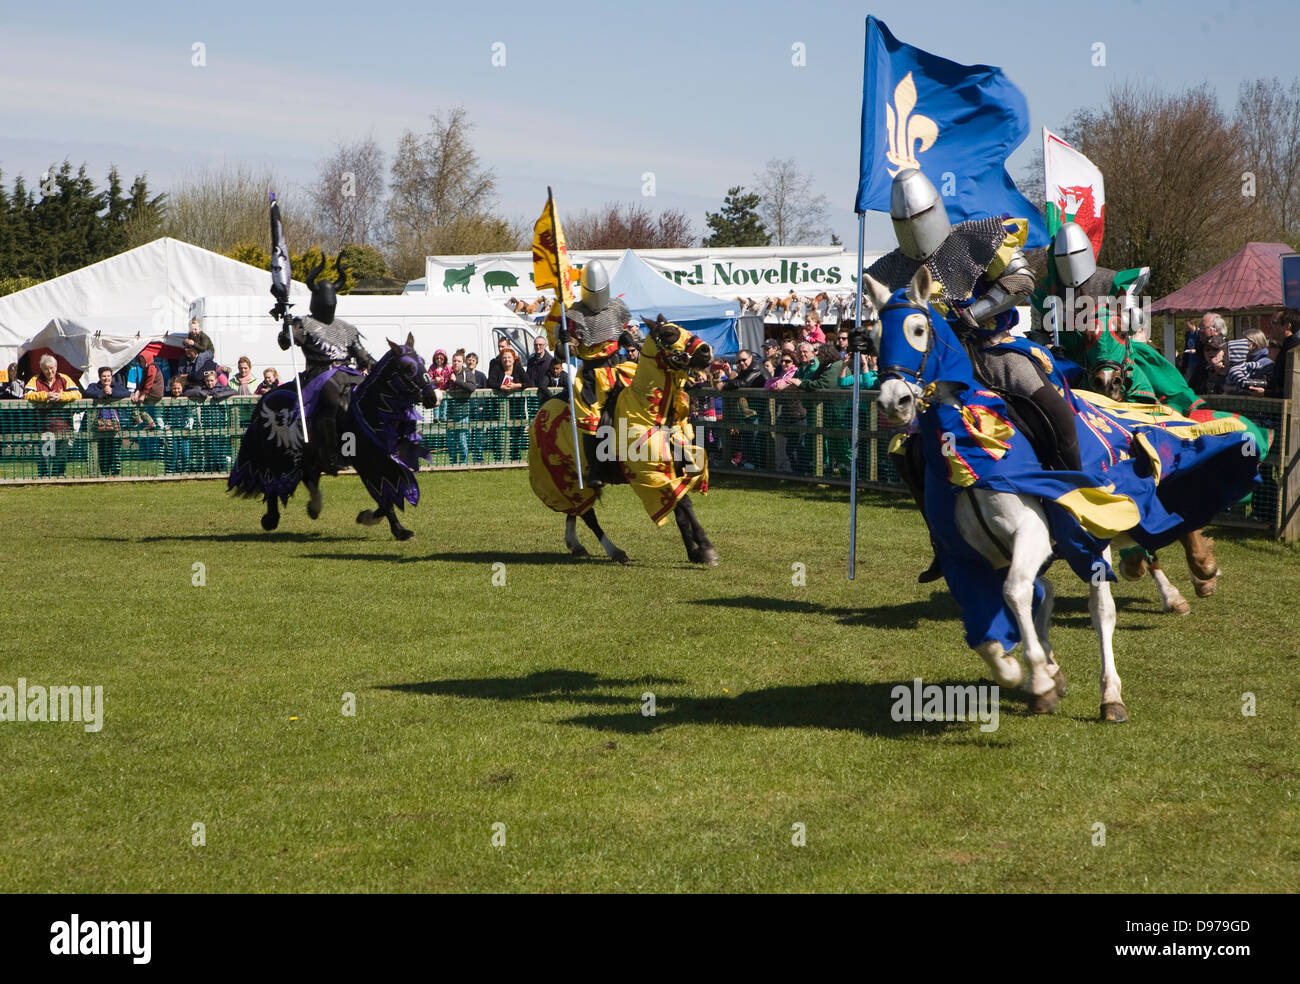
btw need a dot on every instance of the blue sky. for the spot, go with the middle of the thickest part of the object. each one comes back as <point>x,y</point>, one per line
<point>699,93</point>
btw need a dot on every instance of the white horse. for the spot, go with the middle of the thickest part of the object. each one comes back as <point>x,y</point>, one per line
<point>1009,531</point>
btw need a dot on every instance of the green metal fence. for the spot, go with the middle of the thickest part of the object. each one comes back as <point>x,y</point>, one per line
<point>752,432</point>
<point>806,438</point>
<point>175,438</point>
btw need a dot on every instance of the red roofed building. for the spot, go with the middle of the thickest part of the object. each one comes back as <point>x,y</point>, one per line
<point>1246,289</point>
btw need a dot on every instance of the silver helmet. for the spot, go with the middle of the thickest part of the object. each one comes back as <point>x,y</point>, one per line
<point>595,286</point>
<point>1072,254</point>
<point>920,220</point>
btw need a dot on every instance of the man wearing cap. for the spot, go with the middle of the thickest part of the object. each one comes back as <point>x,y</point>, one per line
<point>594,330</point>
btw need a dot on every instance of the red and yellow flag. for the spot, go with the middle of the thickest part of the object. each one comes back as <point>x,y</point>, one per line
<point>550,255</point>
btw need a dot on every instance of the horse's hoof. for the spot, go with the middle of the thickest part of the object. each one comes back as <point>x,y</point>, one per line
<point>621,557</point>
<point>405,534</point>
<point>1114,711</point>
<point>1044,703</point>
<point>1205,588</point>
<point>578,551</point>
<point>1132,568</point>
<point>367,517</point>
<point>1181,607</point>
<point>270,522</point>
<point>1060,681</point>
<point>313,510</point>
<point>708,557</point>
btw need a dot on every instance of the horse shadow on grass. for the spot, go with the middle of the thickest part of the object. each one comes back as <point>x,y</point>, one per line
<point>478,557</point>
<point>864,708</point>
<point>908,615</point>
<point>279,536</point>
<point>1070,611</point>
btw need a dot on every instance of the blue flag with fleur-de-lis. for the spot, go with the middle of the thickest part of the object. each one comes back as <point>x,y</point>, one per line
<point>956,123</point>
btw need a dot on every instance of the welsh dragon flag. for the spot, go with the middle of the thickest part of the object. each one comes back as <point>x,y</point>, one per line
<point>1074,190</point>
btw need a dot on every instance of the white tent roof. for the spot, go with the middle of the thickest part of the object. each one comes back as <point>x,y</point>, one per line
<point>102,342</point>
<point>143,292</point>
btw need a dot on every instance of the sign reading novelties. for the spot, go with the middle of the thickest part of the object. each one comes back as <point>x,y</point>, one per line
<point>732,272</point>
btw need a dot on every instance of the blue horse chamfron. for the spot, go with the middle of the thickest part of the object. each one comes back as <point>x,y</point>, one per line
<point>378,434</point>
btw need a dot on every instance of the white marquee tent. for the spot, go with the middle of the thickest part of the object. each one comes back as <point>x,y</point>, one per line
<point>131,299</point>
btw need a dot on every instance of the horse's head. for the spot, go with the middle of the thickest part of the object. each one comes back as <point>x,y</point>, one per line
<point>905,337</point>
<point>1110,379</point>
<point>675,349</point>
<point>404,372</point>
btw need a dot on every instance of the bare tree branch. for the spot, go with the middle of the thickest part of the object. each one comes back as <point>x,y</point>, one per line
<point>792,214</point>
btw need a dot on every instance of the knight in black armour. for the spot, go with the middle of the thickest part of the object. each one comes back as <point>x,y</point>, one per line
<point>328,344</point>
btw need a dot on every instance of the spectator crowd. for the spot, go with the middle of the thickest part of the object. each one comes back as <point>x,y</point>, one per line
<point>753,411</point>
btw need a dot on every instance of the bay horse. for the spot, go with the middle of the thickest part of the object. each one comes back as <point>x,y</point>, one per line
<point>999,519</point>
<point>378,433</point>
<point>646,441</point>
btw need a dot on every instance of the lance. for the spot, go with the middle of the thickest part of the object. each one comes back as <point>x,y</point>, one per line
<point>857,397</point>
<point>281,281</point>
<point>564,327</point>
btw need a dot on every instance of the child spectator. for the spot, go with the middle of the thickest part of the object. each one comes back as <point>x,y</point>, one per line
<point>1250,375</point>
<point>270,380</point>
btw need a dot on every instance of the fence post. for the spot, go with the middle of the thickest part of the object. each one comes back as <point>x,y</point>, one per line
<point>874,420</point>
<point>1289,521</point>
<point>819,442</point>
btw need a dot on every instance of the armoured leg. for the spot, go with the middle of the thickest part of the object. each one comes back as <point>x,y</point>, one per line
<point>909,462</point>
<point>591,467</point>
<point>1061,416</point>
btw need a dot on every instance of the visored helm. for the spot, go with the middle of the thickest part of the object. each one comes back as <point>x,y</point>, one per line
<point>595,286</point>
<point>1072,254</point>
<point>920,220</point>
<point>324,293</point>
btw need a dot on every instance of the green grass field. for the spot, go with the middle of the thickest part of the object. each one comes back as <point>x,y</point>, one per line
<point>520,704</point>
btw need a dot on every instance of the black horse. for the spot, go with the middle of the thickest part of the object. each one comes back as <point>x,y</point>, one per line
<point>378,434</point>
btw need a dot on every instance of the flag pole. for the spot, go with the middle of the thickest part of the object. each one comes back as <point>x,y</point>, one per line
<point>857,397</point>
<point>564,327</point>
<point>1051,266</point>
<point>280,245</point>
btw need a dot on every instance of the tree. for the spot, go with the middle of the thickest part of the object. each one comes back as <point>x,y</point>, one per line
<point>1173,167</point>
<point>1032,182</point>
<point>628,225</point>
<point>359,262</point>
<point>1268,118</point>
<point>365,261</point>
<point>143,221</point>
<point>348,195</point>
<point>738,222</point>
<point>221,208</point>
<point>463,235</point>
<point>789,208</point>
<point>442,198</point>
<point>437,177</point>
